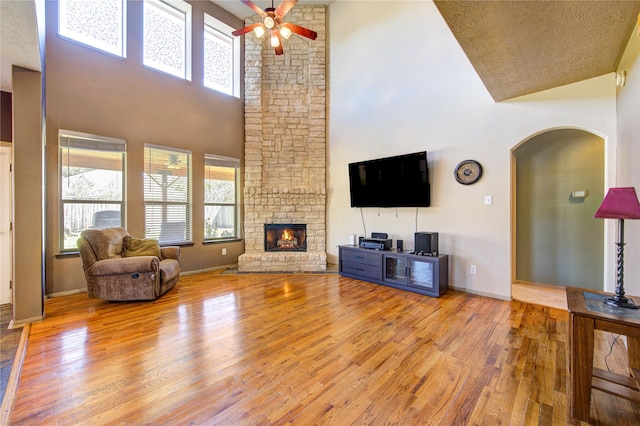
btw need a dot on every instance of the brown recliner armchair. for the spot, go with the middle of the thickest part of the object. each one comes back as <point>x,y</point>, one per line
<point>113,273</point>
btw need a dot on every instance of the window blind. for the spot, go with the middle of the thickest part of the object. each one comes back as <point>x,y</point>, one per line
<point>70,139</point>
<point>92,184</point>
<point>220,197</point>
<point>167,194</point>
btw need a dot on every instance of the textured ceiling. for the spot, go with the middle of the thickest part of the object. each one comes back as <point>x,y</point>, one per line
<point>521,47</point>
<point>19,43</point>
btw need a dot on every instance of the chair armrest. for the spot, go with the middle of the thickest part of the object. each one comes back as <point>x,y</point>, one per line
<point>125,265</point>
<point>170,252</point>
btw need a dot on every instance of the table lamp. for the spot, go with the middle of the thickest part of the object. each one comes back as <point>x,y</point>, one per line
<point>621,204</point>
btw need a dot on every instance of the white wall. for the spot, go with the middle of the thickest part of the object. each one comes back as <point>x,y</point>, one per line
<point>6,262</point>
<point>628,170</point>
<point>400,83</point>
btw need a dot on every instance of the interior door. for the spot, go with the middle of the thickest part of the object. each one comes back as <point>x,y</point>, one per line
<point>5,224</point>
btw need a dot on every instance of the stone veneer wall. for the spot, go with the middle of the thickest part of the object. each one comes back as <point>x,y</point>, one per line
<point>285,144</point>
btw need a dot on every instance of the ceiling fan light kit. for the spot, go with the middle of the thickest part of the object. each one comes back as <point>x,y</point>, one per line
<point>273,24</point>
<point>275,38</point>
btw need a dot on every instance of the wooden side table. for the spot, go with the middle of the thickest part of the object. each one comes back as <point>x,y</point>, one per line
<point>588,313</point>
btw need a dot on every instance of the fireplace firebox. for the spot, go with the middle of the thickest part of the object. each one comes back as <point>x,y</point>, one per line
<point>285,237</point>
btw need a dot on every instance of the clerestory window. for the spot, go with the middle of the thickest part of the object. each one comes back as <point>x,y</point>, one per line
<point>98,24</point>
<point>221,57</point>
<point>167,37</point>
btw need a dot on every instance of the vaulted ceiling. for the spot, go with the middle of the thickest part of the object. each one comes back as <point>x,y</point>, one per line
<point>521,47</point>
<point>517,47</point>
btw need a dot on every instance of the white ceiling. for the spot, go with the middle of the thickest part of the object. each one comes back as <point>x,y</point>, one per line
<point>243,12</point>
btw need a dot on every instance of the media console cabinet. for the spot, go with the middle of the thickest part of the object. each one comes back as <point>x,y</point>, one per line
<point>428,275</point>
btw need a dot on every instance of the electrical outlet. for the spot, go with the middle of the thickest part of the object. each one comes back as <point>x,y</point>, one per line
<point>473,269</point>
<point>224,251</point>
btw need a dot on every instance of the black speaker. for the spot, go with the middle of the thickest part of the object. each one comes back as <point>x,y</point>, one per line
<point>426,243</point>
<point>379,235</point>
<point>399,245</point>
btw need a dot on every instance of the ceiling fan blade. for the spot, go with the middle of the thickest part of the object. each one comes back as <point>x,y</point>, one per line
<point>304,32</point>
<point>246,29</point>
<point>285,6</point>
<point>255,7</point>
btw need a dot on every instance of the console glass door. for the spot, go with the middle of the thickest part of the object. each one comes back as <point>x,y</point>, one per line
<point>395,269</point>
<point>421,273</point>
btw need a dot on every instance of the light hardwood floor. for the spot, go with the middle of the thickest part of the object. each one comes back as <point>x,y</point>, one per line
<point>303,349</point>
<point>540,294</point>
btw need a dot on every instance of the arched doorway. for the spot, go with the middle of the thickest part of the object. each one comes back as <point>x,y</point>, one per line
<point>559,184</point>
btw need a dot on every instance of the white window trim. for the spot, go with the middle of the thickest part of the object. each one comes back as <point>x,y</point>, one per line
<point>189,203</point>
<point>120,51</point>
<point>171,6</point>
<point>94,143</point>
<point>227,162</point>
<point>221,27</point>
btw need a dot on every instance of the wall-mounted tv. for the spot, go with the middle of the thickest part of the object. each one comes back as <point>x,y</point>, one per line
<point>400,181</point>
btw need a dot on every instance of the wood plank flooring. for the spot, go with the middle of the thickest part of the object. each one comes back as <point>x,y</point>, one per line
<point>303,349</point>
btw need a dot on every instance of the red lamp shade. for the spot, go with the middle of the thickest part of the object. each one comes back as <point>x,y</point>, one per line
<point>619,203</point>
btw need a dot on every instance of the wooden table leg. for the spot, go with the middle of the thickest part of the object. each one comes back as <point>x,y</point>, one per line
<point>634,356</point>
<point>581,366</point>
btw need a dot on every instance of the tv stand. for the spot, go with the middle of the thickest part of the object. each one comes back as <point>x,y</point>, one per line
<point>428,275</point>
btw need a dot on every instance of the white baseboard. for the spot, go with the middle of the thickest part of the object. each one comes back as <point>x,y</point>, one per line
<point>481,293</point>
<point>19,324</point>
<point>68,293</point>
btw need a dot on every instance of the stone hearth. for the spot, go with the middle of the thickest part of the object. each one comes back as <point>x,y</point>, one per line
<point>285,145</point>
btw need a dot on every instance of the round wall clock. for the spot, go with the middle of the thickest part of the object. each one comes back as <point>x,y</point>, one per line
<point>468,172</point>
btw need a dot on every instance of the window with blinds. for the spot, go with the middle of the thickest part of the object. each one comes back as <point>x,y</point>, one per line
<point>92,184</point>
<point>220,197</point>
<point>167,195</point>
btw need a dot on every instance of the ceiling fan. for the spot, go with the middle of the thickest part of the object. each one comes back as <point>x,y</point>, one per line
<point>272,22</point>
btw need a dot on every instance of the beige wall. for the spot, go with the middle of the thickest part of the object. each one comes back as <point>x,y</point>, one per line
<point>93,92</point>
<point>558,240</point>
<point>28,209</point>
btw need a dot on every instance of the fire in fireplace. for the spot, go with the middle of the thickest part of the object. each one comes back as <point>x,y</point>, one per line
<point>285,237</point>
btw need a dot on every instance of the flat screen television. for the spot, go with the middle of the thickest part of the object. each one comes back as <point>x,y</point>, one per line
<point>400,181</point>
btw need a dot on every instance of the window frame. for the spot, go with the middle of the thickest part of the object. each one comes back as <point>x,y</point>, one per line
<point>188,204</point>
<point>229,162</point>
<point>120,51</point>
<point>84,141</point>
<point>215,25</point>
<point>171,6</point>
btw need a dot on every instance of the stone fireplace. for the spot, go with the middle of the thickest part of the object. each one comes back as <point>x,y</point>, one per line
<point>285,144</point>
